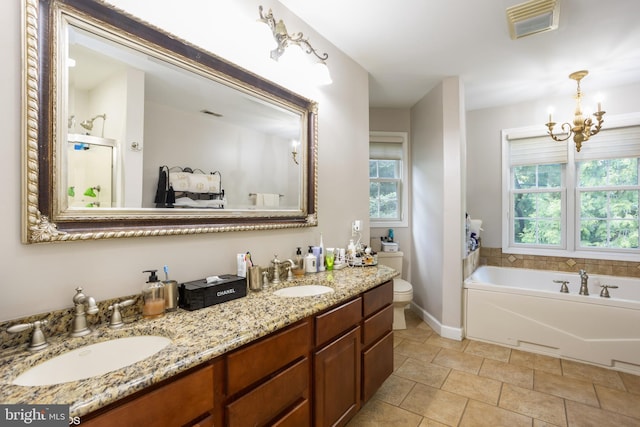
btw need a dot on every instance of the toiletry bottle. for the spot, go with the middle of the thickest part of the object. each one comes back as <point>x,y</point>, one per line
<point>310,262</point>
<point>299,259</point>
<point>170,291</point>
<point>153,302</point>
<point>351,250</point>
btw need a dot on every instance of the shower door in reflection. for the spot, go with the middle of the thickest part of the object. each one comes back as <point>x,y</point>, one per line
<point>90,168</point>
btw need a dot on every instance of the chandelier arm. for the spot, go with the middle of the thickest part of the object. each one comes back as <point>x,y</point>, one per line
<point>283,38</point>
<point>565,127</point>
<point>310,49</point>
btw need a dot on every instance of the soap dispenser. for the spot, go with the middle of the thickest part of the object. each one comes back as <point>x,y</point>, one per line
<point>310,262</point>
<point>153,302</point>
<point>299,259</point>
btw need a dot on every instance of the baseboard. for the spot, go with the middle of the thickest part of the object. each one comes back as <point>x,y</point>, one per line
<point>442,330</point>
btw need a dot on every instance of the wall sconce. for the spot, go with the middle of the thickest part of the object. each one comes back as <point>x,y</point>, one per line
<point>582,128</point>
<point>91,191</point>
<point>88,124</point>
<point>285,40</point>
<point>294,151</point>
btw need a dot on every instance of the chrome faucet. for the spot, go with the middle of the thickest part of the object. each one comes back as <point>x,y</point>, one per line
<point>79,325</point>
<point>584,277</point>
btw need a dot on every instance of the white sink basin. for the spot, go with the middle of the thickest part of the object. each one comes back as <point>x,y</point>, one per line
<point>303,291</point>
<point>92,360</point>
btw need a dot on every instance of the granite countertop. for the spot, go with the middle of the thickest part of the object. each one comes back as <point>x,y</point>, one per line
<point>196,337</point>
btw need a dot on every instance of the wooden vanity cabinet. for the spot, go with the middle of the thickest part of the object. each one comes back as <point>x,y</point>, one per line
<point>317,372</point>
<point>336,367</point>
<point>377,338</point>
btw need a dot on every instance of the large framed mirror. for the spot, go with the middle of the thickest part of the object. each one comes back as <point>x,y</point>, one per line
<point>130,131</point>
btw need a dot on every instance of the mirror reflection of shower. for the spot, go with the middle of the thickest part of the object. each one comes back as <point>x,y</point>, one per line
<point>90,165</point>
<point>88,124</point>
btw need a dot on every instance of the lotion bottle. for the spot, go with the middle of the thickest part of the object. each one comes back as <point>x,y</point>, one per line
<point>310,262</point>
<point>153,302</point>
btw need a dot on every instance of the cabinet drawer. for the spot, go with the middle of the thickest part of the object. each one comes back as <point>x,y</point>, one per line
<point>377,365</point>
<point>262,404</point>
<point>377,325</point>
<point>259,360</point>
<point>299,416</point>
<point>377,298</point>
<point>174,404</point>
<point>334,322</point>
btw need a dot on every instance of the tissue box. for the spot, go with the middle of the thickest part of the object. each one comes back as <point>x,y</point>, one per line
<point>389,247</point>
<point>200,294</point>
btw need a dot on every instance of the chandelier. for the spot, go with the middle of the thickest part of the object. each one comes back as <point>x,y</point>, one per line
<point>583,128</point>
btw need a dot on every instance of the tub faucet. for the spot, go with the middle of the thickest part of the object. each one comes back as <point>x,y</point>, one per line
<point>79,325</point>
<point>584,277</point>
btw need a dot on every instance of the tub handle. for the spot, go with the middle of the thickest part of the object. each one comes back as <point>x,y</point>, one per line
<point>564,289</point>
<point>604,293</point>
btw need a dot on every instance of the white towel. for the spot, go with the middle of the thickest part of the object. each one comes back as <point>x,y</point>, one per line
<point>267,200</point>
<point>179,180</point>
<point>201,183</point>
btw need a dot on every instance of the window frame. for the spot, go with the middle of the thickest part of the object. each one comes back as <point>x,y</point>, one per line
<point>403,181</point>
<point>570,223</point>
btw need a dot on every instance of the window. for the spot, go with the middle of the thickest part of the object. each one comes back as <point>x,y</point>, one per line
<point>560,202</point>
<point>387,179</point>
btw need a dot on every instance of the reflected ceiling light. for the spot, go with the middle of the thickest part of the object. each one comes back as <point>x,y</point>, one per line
<point>582,128</point>
<point>532,17</point>
<point>287,44</point>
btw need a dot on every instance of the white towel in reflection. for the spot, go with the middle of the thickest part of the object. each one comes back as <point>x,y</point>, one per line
<point>267,200</point>
<point>179,181</point>
<point>201,183</point>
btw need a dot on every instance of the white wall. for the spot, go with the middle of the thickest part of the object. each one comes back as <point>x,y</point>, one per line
<point>484,185</point>
<point>40,278</point>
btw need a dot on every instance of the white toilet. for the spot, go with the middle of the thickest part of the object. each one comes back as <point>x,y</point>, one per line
<point>402,290</point>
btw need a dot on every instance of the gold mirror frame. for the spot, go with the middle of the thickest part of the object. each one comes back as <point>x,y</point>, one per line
<point>40,124</point>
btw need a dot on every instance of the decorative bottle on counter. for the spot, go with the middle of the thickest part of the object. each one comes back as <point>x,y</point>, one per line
<point>153,300</point>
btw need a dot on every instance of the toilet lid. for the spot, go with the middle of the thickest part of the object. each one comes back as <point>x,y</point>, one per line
<point>400,285</point>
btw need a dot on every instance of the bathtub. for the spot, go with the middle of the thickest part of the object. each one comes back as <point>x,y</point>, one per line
<point>525,309</point>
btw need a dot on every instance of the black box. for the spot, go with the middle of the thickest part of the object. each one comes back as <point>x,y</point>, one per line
<point>200,294</point>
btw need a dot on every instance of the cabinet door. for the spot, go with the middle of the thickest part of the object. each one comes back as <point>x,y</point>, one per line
<point>337,380</point>
<point>377,365</point>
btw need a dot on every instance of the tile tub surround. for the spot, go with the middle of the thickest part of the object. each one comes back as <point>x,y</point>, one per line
<point>495,257</point>
<point>197,336</point>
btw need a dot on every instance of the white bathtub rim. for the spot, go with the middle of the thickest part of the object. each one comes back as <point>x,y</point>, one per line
<point>593,298</point>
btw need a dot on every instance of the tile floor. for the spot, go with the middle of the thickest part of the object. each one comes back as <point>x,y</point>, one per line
<point>442,382</point>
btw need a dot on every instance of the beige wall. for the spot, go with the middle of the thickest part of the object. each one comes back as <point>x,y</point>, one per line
<point>40,278</point>
<point>437,153</point>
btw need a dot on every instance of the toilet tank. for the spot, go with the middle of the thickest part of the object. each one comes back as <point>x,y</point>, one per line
<point>391,259</point>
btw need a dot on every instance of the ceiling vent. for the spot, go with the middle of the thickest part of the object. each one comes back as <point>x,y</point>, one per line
<point>532,17</point>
